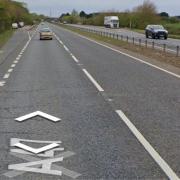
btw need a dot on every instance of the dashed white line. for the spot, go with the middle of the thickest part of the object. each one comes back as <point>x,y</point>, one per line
<point>132,57</point>
<point>6,76</point>
<point>93,81</point>
<point>16,62</point>
<point>2,83</point>
<point>13,65</point>
<point>10,70</point>
<point>154,154</point>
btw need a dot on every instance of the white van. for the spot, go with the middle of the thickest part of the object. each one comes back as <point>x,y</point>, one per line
<point>111,21</point>
<point>15,26</point>
<point>21,24</point>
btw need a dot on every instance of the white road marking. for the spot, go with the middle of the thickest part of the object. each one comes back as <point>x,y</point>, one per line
<point>18,58</point>
<point>36,150</point>
<point>2,83</point>
<point>132,57</point>
<point>10,70</point>
<point>75,59</point>
<point>6,76</point>
<point>37,113</point>
<point>93,81</point>
<point>66,48</point>
<point>16,62</point>
<point>155,155</point>
<point>13,65</point>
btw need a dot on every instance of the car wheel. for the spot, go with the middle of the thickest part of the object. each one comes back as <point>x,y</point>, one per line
<point>165,37</point>
<point>153,36</point>
<point>147,35</point>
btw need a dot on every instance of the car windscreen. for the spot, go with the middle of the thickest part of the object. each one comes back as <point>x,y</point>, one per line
<point>158,27</point>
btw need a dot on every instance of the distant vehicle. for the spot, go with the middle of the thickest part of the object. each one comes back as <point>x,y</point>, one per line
<point>46,33</point>
<point>15,25</point>
<point>111,21</point>
<point>156,31</point>
<point>21,24</point>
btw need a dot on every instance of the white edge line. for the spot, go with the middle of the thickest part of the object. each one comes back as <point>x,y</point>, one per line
<point>75,59</point>
<point>137,59</point>
<point>93,81</point>
<point>164,166</point>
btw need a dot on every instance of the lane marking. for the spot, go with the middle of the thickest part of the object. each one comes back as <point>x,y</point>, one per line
<point>18,58</point>
<point>93,81</point>
<point>2,83</point>
<point>75,59</point>
<point>155,155</point>
<point>13,65</point>
<point>6,76</point>
<point>38,113</point>
<point>10,70</point>
<point>66,48</point>
<point>130,56</point>
<point>16,62</point>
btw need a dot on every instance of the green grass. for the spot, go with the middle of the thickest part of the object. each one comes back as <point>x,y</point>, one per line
<point>4,37</point>
<point>148,52</point>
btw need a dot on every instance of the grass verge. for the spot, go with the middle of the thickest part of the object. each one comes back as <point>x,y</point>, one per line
<point>147,52</point>
<point>174,36</point>
<point>4,37</point>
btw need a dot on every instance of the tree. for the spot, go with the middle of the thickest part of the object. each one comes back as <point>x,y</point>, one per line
<point>164,14</point>
<point>146,14</point>
<point>82,14</point>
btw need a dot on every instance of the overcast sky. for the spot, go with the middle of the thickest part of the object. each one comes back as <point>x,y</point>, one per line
<point>57,7</point>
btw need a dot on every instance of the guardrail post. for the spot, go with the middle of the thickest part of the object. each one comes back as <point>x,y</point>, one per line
<point>153,45</point>
<point>139,42</point>
<point>117,36</point>
<point>127,39</point>
<point>133,40</point>
<point>113,36</point>
<point>146,42</point>
<point>164,48</point>
<point>121,37</point>
<point>177,53</point>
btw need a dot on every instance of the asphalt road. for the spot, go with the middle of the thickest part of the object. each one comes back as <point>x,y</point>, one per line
<point>171,44</point>
<point>100,96</point>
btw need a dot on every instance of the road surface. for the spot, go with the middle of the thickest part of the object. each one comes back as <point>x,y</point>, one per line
<point>109,116</point>
<point>171,44</point>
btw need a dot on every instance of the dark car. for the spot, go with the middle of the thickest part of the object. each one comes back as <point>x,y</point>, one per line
<point>156,31</point>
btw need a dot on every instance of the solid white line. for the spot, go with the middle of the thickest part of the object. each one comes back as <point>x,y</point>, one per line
<point>75,59</point>
<point>164,166</point>
<point>66,48</point>
<point>93,81</point>
<point>132,57</point>
<point>10,70</point>
<point>6,76</point>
